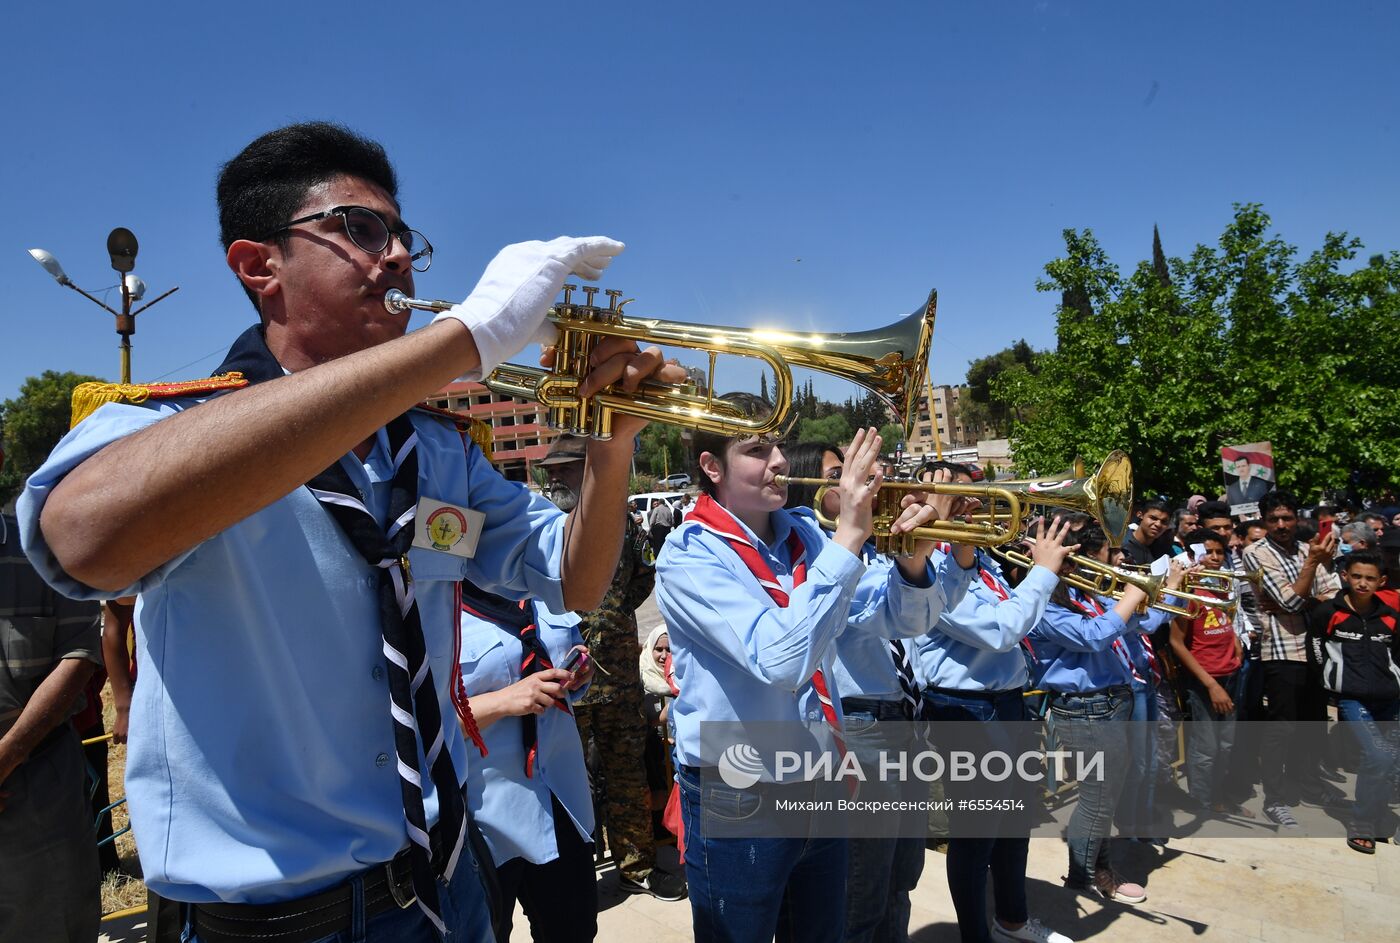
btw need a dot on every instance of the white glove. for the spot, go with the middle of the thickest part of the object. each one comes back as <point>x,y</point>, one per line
<point>506,311</point>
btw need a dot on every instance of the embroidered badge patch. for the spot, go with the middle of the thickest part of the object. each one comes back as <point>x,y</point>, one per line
<point>447,528</point>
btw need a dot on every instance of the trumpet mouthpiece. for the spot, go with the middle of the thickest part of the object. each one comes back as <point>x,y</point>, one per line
<point>396,302</point>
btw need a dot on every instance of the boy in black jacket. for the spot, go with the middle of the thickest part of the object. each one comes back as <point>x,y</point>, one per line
<point>1354,638</point>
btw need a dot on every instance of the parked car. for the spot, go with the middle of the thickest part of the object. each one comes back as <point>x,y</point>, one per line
<point>678,480</point>
<point>645,502</point>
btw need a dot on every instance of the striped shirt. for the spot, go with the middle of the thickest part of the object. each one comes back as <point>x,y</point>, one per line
<point>38,628</point>
<point>1281,610</point>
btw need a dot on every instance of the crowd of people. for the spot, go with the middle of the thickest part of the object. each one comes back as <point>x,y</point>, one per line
<point>380,692</point>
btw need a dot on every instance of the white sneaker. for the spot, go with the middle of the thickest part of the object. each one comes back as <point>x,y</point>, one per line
<point>1032,931</point>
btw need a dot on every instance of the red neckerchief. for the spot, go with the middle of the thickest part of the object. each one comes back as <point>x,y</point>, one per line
<point>669,673</point>
<point>992,582</point>
<point>711,515</point>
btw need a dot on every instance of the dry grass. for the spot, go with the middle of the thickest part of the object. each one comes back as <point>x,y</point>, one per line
<point>126,889</point>
<point>122,892</point>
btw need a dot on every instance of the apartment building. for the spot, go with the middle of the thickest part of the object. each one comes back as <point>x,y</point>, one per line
<point>942,421</point>
<point>518,431</point>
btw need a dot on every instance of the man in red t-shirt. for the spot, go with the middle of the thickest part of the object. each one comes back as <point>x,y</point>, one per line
<point>1210,652</point>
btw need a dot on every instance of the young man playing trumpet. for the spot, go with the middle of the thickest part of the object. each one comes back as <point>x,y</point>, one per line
<point>755,597</point>
<point>295,530</point>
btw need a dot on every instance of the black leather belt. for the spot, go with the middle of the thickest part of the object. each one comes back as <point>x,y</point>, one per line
<point>386,886</point>
<point>976,695</point>
<point>1116,690</point>
<point>879,709</point>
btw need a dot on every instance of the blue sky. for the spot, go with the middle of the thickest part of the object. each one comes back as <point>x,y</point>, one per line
<point>890,147</point>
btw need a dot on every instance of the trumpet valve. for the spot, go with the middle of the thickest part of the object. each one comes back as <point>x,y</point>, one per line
<point>588,292</point>
<point>569,294</point>
<point>613,294</point>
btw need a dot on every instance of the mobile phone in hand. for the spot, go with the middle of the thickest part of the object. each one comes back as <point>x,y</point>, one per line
<point>572,662</point>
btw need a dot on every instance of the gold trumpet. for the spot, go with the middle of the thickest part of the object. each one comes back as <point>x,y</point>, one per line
<point>1106,495</point>
<point>1254,576</point>
<point>1102,579</point>
<point>890,361</point>
<point>1000,524</point>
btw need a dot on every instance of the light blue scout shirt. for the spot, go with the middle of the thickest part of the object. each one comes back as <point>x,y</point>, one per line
<point>976,645</point>
<point>514,811</point>
<point>863,665</point>
<point>737,655</point>
<point>1075,653</point>
<point>261,762</point>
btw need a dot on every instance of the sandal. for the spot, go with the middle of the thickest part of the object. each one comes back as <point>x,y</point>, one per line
<point>1367,846</point>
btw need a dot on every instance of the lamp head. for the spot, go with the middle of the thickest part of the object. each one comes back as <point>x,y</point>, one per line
<point>121,246</point>
<point>135,286</point>
<point>50,264</point>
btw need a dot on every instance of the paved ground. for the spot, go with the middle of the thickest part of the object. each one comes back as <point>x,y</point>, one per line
<point>1231,890</point>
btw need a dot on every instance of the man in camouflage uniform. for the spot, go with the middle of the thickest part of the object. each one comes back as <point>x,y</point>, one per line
<point>612,710</point>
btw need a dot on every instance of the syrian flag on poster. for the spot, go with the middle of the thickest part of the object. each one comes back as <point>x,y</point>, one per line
<point>1249,475</point>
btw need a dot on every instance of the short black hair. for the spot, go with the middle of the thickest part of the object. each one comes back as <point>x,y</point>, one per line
<point>805,461</point>
<point>1203,535</point>
<point>1242,528</point>
<point>1212,509</point>
<point>267,182</point>
<point>1363,557</point>
<point>1275,500</point>
<point>747,405</point>
<point>1154,504</point>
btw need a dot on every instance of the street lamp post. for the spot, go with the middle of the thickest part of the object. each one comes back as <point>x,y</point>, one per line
<point>121,248</point>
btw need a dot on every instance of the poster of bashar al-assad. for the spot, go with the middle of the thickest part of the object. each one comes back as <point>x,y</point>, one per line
<point>1249,475</point>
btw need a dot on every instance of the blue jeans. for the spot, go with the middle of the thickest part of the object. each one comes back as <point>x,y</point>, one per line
<point>1209,740</point>
<point>1084,725</point>
<point>1374,724</point>
<point>463,904</point>
<point>970,859</point>
<point>1136,814</point>
<point>880,872</point>
<point>757,889</point>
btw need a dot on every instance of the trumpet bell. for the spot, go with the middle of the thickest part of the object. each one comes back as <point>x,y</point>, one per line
<point>890,361</point>
<point>1106,495</point>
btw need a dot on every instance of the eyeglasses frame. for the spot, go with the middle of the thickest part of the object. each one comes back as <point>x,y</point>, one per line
<point>344,211</point>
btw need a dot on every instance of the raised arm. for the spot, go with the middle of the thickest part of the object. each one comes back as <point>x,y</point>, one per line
<point>159,492</point>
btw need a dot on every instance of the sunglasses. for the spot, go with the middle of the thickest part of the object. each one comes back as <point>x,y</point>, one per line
<point>368,230</point>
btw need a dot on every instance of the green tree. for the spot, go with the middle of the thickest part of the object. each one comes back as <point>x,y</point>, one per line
<point>867,411</point>
<point>833,428</point>
<point>982,401</point>
<point>891,435</point>
<point>662,451</point>
<point>1239,342</point>
<point>32,423</point>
